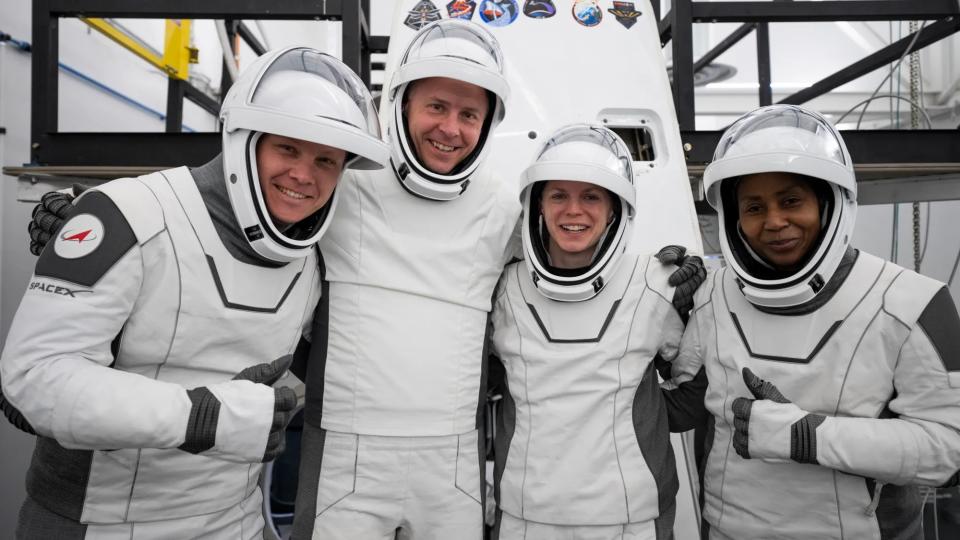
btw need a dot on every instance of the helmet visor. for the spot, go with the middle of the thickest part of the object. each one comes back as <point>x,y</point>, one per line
<point>793,130</point>
<point>312,62</point>
<point>611,152</point>
<point>457,40</point>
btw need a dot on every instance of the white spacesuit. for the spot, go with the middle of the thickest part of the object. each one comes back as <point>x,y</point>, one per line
<point>865,354</point>
<point>583,449</point>
<point>395,375</point>
<point>161,438</point>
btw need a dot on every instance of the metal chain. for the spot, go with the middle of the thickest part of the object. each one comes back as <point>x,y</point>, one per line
<point>915,124</point>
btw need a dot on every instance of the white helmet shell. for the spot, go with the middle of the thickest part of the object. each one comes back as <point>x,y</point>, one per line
<point>304,94</point>
<point>452,49</point>
<point>789,139</point>
<point>582,153</point>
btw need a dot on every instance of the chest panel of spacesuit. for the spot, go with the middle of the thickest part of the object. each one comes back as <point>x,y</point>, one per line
<point>202,314</point>
<point>573,370</point>
<point>837,361</point>
<point>452,251</point>
<point>811,356</point>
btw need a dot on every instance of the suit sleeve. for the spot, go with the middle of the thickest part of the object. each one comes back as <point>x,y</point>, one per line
<point>55,366</point>
<point>921,445</point>
<point>685,391</point>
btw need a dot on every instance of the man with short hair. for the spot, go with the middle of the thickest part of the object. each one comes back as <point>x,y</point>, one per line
<point>210,277</point>
<point>395,378</point>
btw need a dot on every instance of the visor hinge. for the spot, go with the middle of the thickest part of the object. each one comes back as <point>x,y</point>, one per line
<point>597,284</point>
<point>816,283</point>
<point>254,232</point>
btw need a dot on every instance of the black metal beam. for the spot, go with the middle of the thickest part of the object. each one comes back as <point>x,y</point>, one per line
<point>175,93</point>
<point>378,44</point>
<point>763,64</point>
<point>45,74</point>
<point>199,9</point>
<point>891,53</point>
<point>683,96</point>
<point>130,149</point>
<point>226,82</point>
<point>665,28</point>
<point>724,45</point>
<point>250,39</point>
<point>829,10</point>
<point>202,100</point>
<point>866,146</point>
<point>352,38</point>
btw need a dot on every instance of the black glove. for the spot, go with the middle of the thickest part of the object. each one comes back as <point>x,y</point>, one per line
<point>205,414</point>
<point>55,207</point>
<point>15,416</point>
<point>771,426</point>
<point>686,279</point>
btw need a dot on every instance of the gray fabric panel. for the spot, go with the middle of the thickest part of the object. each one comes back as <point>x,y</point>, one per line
<point>685,403</point>
<point>506,423</point>
<point>88,269</point>
<point>57,477</point>
<point>317,359</point>
<point>941,323</point>
<point>900,512</point>
<point>664,523</point>
<point>482,409</point>
<point>652,430</point>
<point>213,189</point>
<point>38,523</point>
<point>311,458</point>
<point>824,296</point>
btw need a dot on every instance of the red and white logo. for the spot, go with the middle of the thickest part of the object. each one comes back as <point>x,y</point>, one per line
<point>79,237</point>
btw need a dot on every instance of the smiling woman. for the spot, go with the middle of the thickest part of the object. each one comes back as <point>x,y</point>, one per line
<point>576,215</point>
<point>779,216</point>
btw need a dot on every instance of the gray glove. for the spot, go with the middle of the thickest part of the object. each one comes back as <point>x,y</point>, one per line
<point>207,410</point>
<point>771,427</point>
<point>55,208</point>
<point>685,279</point>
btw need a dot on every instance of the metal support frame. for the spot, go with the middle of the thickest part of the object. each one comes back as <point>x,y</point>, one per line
<point>50,147</point>
<point>921,148</point>
<point>891,53</point>
<point>763,64</point>
<point>724,45</point>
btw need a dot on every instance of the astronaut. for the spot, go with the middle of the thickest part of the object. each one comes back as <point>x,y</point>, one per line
<point>394,381</point>
<point>210,276</point>
<point>583,446</point>
<point>834,376</point>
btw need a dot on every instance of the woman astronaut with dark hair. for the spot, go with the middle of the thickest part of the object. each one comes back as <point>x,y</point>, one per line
<point>834,375</point>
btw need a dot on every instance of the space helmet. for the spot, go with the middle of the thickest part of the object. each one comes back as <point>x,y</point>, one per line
<point>300,93</point>
<point>787,139</point>
<point>453,49</point>
<point>583,153</point>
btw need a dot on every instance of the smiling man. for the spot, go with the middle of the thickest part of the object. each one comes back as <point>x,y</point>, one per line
<point>209,276</point>
<point>395,379</point>
<point>445,118</point>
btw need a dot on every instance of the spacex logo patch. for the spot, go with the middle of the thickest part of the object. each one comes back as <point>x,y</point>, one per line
<point>80,236</point>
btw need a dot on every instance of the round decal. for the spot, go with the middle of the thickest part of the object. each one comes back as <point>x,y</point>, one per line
<point>499,12</point>
<point>79,237</point>
<point>539,9</point>
<point>587,12</point>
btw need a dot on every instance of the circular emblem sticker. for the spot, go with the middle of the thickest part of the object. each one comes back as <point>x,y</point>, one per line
<point>587,12</point>
<point>79,236</point>
<point>499,12</point>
